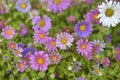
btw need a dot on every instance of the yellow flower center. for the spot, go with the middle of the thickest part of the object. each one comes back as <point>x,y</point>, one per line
<point>42,23</point>
<point>40,61</point>
<point>64,41</point>
<point>96,17</point>
<point>33,14</point>
<point>54,58</point>
<point>97,70</point>
<point>41,36</point>
<point>17,52</point>
<point>53,43</point>
<point>23,5</point>
<point>109,12</point>
<point>82,27</point>
<point>21,65</point>
<point>8,32</point>
<point>83,46</point>
<point>57,2</point>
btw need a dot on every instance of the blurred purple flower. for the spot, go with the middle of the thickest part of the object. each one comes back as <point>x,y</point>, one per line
<point>3,8</point>
<point>76,66</point>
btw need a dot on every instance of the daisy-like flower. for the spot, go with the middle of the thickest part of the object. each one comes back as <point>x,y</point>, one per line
<point>3,24</point>
<point>71,19</point>
<point>54,58</point>
<point>63,40</point>
<point>3,8</point>
<point>43,24</point>
<point>45,4</point>
<point>33,13</point>
<point>84,47</point>
<point>109,13</point>
<point>83,29</point>
<point>97,70</point>
<point>51,45</point>
<point>76,66</point>
<point>59,5</point>
<point>8,32</point>
<point>39,61</point>
<point>21,66</point>
<point>18,51</point>
<point>29,51</point>
<point>105,61</point>
<point>92,16</point>
<point>88,56</point>
<point>40,36</point>
<point>23,5</point>
<point>100,45</point>
<point>11,46</point>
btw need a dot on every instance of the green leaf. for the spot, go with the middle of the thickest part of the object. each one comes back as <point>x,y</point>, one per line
<point>41,74</point>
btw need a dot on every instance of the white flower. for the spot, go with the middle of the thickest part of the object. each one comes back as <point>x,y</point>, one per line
<point>33,13</point>
<point>109,13</point>
<point>63,40</point>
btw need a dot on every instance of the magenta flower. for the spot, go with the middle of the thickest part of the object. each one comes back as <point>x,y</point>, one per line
<point>3,8</point>
<point>71,19</point>
<point>59,5</point>
<point>63,40</point>
<point>83,29</point>
<point>51,45</point>
<point>43,24</point>
<point>39,61</point>
<point>23,30</point>
<point>40,36</point>
<point>23,5</point>
<point>106,61</point>
<point>84,47</point>
<point>21,66</point>
<point>3,24</point>
<point>55,58</point>
<point>8,32</point>
<point>92,16</point>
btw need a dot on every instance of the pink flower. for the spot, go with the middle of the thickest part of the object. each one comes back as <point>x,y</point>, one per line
<point>84,47</point>
<point>51,45</point>
<point>55,58</point>
<point>8,32</point>
<point>39,61</point>
<point>21,66</point>
<point>40,36</point>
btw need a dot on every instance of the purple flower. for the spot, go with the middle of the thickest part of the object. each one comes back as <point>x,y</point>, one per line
<point>55,58</point>
<point>88,56</point>
<point>8,32</point>
<point>43,24</point>
<point>21,66</point>
<point>33,13</point>
<point>40,36</point>
<point>83,29</point>
<point>39,61</point>
<point>108,38</point>
<point>76,66</point>
<point>3,8</point>
<point>51,45</point>
<point>23,30</point>
<point>18,51</point>
<point>59,5</point>
<point>63,40</point>
<point>74,2</point>
<point>100,45</point>
<point>97,70</point>
<point>84,47</point>
<point>106,61</point>
<point>88,1</point>
<point>29,51</point>
<point>117,57</point>
<point>92,16</point>
<point>23,5</point>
